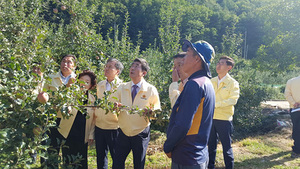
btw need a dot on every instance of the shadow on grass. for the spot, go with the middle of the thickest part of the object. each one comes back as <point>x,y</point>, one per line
<point>240,135</point>
<point>265,162</point>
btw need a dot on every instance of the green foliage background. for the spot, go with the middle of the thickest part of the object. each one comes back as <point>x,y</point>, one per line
<point>261,35</point>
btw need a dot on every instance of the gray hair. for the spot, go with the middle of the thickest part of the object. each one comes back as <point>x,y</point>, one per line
<point>119,66</point>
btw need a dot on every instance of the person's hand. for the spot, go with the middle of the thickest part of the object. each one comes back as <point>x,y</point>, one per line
<point>169,154</point>
<point>71,81</point>
<point>175,76</point>
<point>90,141</point>
<point>43,97</point>
<point>37,71</point>
<point>117,106</point>
<point>147,111</point>
<point>297,104</point>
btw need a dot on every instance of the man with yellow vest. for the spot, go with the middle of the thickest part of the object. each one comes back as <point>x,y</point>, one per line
<point>175,88</point>
<point>227,93</point>
<point>58,134</point>
<point>292,95</point>
<point>134,132</point>
<point>65,76</point>
<point>106,130</point>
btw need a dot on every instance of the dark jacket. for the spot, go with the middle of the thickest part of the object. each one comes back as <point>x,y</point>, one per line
<point>190,121</point>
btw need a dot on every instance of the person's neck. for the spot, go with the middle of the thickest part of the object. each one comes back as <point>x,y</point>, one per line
<point>66,74</point>
<point>221,75</point>
<point>137,80</point>
<point>195,69</point>
<point>111,79</point>
<point>185,76</point>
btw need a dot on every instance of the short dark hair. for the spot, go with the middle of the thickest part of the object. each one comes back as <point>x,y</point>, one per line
<point>179,55</point>
<point>91,75</point>
<point>69,55</point>
<point>229,60</point>
<point>144,63</point>
<point>118,64</point>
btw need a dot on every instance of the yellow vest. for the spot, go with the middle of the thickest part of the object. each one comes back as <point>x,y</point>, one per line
<point>292,91</point>
<point>65,125</point>
<point>107,121</point>
<point>227,94</point>
<point>147,96</point>
<point>173,93</point>
<point>56,82</point>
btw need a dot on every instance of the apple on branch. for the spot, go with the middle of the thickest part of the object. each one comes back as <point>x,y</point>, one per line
<point>43,97</point>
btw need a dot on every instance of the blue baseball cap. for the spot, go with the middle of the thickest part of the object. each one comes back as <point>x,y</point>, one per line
<point>204,50</point>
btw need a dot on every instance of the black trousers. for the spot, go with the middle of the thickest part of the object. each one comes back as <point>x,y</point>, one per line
<point>296,131</point>
<point>105,140</point>
<point>74,153</point>
<point>71,148</point>
<point>54,142</point>
<point>221,130</point>
<point>138,144</point>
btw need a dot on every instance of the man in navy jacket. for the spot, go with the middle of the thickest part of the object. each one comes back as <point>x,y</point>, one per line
<point>192,114</point>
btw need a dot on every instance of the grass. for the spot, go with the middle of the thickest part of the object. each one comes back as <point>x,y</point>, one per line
<point>155,157</point>
<point>269,151</point>
<point>157,160</point>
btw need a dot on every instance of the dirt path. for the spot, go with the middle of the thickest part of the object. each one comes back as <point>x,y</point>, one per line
<point>279,104</point>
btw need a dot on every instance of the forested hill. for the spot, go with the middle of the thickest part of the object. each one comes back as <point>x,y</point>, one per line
<point>262,29</point>
<point>247,28</point>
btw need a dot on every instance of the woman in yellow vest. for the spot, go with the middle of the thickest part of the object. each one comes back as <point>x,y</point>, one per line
<point>77,129</point>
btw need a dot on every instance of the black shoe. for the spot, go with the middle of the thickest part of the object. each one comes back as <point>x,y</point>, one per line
<point>295,155</point>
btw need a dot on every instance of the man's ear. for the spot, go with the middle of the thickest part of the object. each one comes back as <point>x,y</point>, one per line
<point>198,59</point>
<point>229,68</point>
<point>74,69</point>
<point>144,73</point>
<point>118,72</point>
